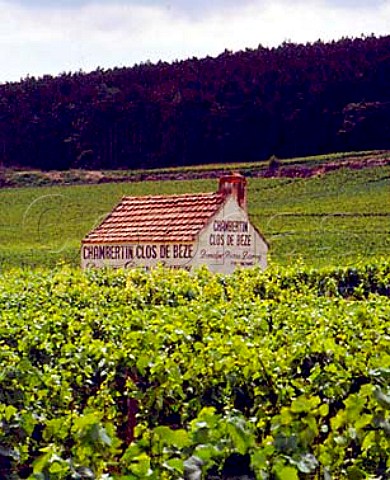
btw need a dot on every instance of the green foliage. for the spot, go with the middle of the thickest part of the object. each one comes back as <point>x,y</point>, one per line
<point>168,375</point>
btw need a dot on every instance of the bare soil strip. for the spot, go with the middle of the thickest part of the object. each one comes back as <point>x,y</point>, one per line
<point>35,178</point>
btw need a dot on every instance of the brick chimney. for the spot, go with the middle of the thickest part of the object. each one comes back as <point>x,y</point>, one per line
<point>235,185</point>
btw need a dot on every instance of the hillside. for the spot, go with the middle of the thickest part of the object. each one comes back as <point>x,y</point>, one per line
<point>333,213</point>
<point>293,100</point>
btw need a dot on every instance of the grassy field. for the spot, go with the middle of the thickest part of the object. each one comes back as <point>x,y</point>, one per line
<point>325,220</point>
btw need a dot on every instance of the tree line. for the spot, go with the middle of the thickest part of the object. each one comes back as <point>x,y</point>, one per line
<point>291,100</point>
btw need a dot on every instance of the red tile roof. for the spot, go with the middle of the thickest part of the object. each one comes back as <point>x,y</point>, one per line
<point>157,219</point>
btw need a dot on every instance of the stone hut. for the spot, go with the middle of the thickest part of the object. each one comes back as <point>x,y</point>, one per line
<point>179,231</point>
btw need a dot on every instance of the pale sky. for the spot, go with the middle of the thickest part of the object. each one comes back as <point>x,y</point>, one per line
<point>40,37</point>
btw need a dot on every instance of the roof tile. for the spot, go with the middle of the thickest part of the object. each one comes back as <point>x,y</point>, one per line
<point>156,219</point>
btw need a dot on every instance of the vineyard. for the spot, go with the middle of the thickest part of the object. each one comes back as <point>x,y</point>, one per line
<point>330,219</point>
<point>280,375</point>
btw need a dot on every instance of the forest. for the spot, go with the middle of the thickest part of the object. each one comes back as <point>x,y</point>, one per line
<point>286,101</point>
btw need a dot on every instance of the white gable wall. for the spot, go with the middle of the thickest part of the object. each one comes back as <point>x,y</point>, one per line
<point>229,240</point>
